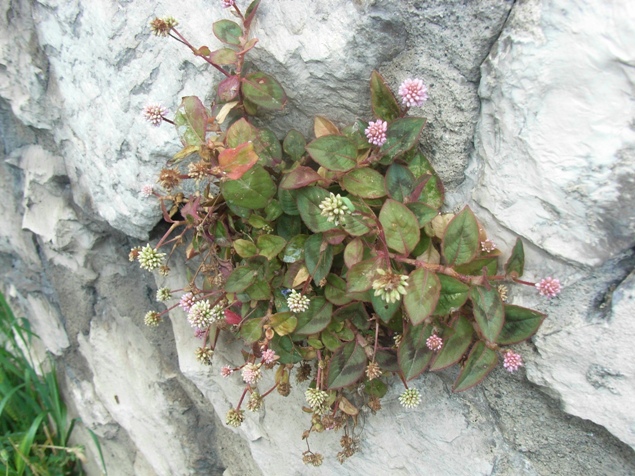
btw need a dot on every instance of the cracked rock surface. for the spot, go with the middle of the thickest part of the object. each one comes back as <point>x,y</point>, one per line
<point>530,121</point>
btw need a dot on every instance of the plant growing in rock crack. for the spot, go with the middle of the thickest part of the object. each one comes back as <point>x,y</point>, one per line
<point>327,258</point>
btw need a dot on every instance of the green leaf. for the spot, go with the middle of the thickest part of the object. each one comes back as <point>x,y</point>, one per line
<point>359,222</point>
<point>240,279</point>
<point>335,290</point>
<point>460,242</point>
<point>347,366</point>
<point>382,100</point>
<point>288,202</point>
<point>364,183</point>
<point>270,245</point>
<point>318,257</point>
<point>422,295</point>
<point>245,248</point>
<point>330,340</point>
<point>316,318</point>
<point>402,135</point>
<point>488,311</point>
<point>294,144</point>
<point>286,349</point>
<point>399,182</point>
<point>240,132</point>
<point>264,91</point>
<point>190,121</point>
<point>295,249</point>
<point>273,211</point>
<point>354,252</point>
<point>455,345</point>
<point>479,363</point>
<point>268,148</point>
<point>250,13</point>
<point>475,267</point>
<point>259,291</point>
<point>376,388</point>
<point>333,152</point>
<point>227,31</point>
<point>520,324</point>
<point>453,295</point>
<point>283,323</point>
<point>423,212</point>
<point>414,356</point>
<point>251,330</point>
<point>300,177</point>
<point>354,313</point>
<point>360,277</point>
<point>383,309</point>
<point>288,226</point>
<point>308,201</point>
<point>224,56</point>
<point>253,190</point>
<point>400,225</point>
<point>515,265</point>
<point>387,360</point>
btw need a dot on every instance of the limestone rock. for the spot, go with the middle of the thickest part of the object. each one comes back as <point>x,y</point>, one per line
<point>555,154</point>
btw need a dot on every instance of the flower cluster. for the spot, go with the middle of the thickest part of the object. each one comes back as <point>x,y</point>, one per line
<point>512,361</point>
<point>410,398</point>
<point>269,356</point>
<point>488,246</point>
<point>164,294</point>
<point>390,286</point>
<point>235,417</point>
<point>376,132</point>
<point>204,355</point>
<point>315,397</point>
<point>203,315</point>
<point>162,26</point>
<point>549,287</point>
<point>413,92</point>
<point>334,208</point>
<point>186,302</point>
<point>149,258</point>
<point>434,343</point>
<point>147,191</point>
<point>251,373</point>
<point>154,114</point>
<point>152,319</point>
<point>297,302</point>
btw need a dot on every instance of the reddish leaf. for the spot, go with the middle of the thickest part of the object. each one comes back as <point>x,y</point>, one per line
<point>299,177</point>
<point>232,318</point>
<point>235,162</point>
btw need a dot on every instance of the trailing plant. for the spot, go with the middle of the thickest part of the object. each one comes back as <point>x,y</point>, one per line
<point>33,420</point>
<point>327,256</point>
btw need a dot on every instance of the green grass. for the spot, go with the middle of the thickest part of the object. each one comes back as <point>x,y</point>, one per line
<point>34,425</point>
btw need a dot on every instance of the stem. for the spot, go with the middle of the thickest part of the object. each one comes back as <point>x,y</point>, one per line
<point>167,233</point>
<point>167,120</point>
<point>242,397</point>
<point>376,337</point>
<point>269,391</point>
<point>195,51</point>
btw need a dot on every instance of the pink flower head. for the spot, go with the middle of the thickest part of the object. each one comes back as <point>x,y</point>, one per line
<point>434,343</point>
<point>226,371</point>
<point>549,287</point>
<point>269,356</point>
<point>512,361</point>
<point>413,92</point>
<point>186,302</point>
<point>251,373</point>
<point>228,3</point>
<point>376,132</point>
<point>146,191</point>
<point>154,114</point>
<point>488,246</point>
